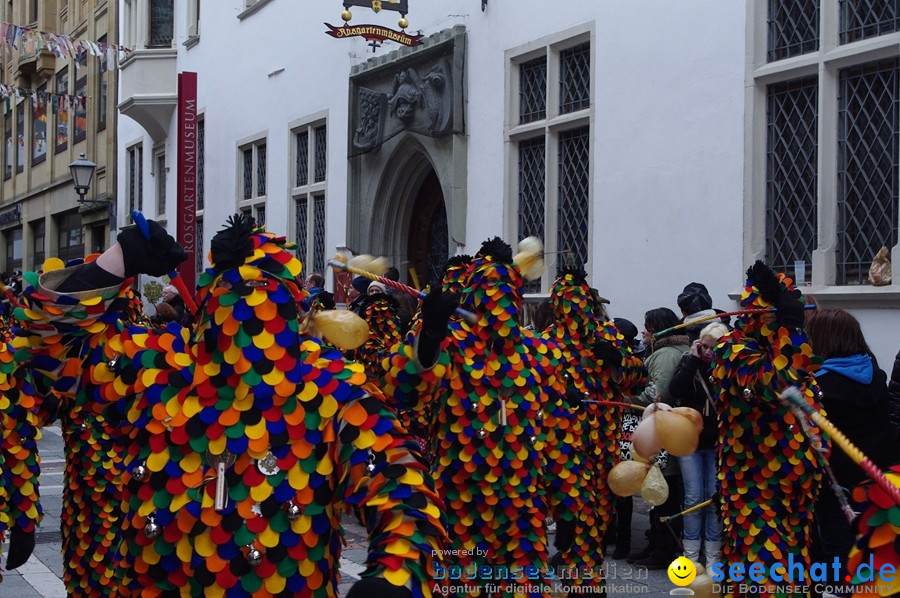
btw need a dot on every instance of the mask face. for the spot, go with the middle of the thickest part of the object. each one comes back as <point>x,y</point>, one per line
<point>455,277</point>
<point>249,318</point>
<point>759,324</point>
<point>495,293</point>
<point>572,302</point>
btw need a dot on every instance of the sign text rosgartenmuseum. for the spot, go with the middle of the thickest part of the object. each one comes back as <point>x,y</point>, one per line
<point>374,33</point>
<point>187,175</point>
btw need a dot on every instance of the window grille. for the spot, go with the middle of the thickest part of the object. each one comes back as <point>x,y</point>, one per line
<point>161,184</point>
<point>574,165</point>
<point>302,177</point>
<point>533,90</point>
<point>261,169</point>
<point>248,173</point>
<point>301,214</point>
<point>135,174</point>
<point>319,233</point>
<point>198,254</point>
<point>861,19</point>
<point>791,173</point>
<point>438,242</point>
<point>531,194</point>
<point>867,166</point>
<point>575,78</point>
<point>162,23</point>
<point>320,154</point>
<point>793,28</point>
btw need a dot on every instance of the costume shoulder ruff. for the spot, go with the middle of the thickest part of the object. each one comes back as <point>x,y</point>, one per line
<point>92,493</point>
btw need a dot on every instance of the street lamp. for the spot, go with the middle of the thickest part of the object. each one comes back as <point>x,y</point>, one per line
<point>82,171</point>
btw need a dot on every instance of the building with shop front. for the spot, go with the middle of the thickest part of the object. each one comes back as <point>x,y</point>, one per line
<point>658,143</point>
<point>56,105</point>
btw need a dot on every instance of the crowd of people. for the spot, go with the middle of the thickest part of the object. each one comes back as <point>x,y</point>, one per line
<point>214,453</point>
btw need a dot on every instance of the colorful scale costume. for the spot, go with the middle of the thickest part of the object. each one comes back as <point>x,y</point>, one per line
<point>491,387</point>
<point>91,518</point>
<point>247,439</point>
<point>595,428</point>
<point>769,474</point>
<point>19,461</point>
<point>380,313</point>
<point>419,418</point>
<point>878,536</point>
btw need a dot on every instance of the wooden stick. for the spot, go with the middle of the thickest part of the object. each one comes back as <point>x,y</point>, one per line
<point>185,293</point>
<point>467,315</point>
<point>793,397</point>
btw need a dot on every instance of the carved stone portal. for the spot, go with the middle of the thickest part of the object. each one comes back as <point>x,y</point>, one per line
<point>418,98</point>
<point>407,126</point>
<point>371,119</point>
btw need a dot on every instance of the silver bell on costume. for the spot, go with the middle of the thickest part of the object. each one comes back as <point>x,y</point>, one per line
<point>151,530</point>
<point>254,556</point>
<point>293,512</point>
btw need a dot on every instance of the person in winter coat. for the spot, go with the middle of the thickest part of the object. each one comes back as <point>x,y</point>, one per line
<point>690,387</point>
<point>621,533</point>
<point>664,354</point>
<point>695,303</point>
<point>894,393</point>
<point>171,297</point>
<point>855,397</point>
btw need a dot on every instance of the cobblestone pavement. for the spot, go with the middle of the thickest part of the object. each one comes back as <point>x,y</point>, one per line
<point>41,576</point>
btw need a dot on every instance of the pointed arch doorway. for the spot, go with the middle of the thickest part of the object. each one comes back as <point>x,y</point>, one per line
<point>427,234</point>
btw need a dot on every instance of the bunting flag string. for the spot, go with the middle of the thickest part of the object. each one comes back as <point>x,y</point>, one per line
<point>33,41</point>
<point>57,101</point>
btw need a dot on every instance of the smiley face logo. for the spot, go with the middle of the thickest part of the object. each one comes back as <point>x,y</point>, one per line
<point>682,571</point>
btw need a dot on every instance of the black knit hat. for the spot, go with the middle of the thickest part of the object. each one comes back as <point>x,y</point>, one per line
<point>361,284</point>
<point>694,298</point>
<point>627,328</point>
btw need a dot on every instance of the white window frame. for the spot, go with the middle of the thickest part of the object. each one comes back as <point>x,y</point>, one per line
<point>251,7</point>
<point>132,202</point>
<point>159,173</point>
<point>193,20</point>
<point>550,127</point>
<point>256,200</point>
<point>312,189</point>
<point>827,63</point>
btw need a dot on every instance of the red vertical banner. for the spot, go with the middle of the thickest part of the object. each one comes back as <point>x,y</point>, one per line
<point>187,177</point>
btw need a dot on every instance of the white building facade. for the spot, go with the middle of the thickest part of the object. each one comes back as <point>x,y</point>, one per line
<point>659,143</point>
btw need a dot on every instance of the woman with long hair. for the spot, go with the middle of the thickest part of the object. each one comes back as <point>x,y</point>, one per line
<point>854,395</point>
